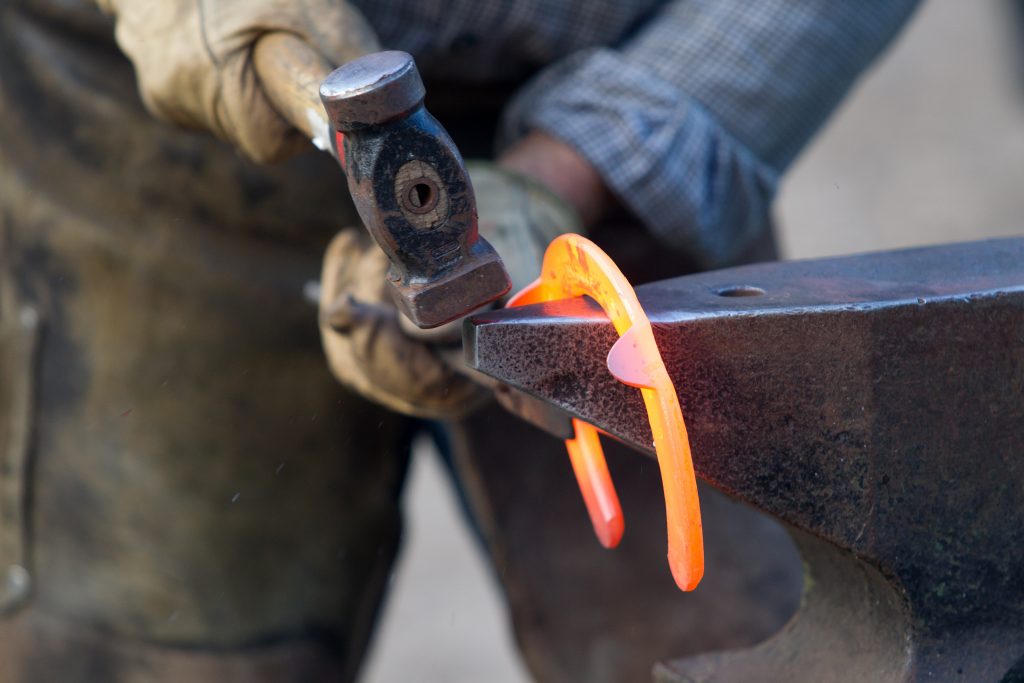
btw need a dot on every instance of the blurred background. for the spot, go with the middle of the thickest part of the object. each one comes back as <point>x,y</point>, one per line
<point>928,149</point>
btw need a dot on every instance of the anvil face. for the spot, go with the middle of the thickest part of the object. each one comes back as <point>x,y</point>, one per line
<point>873,403</point>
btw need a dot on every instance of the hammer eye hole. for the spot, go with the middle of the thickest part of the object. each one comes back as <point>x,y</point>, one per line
<point>420,195</point>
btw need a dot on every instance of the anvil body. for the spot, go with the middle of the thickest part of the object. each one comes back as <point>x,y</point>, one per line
<point>874,404</point>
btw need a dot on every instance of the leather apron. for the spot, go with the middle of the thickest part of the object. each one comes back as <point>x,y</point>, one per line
<point>185,492</point>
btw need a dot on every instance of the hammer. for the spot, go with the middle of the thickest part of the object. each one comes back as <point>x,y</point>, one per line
<point>406,176</point>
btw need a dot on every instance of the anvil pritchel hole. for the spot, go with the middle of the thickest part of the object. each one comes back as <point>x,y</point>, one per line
<point>739,290</point>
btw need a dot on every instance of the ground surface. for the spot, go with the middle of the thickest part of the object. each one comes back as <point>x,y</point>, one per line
<point>929,149</point>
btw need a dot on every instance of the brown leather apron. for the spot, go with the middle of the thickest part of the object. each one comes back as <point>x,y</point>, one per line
<point>185,492</point>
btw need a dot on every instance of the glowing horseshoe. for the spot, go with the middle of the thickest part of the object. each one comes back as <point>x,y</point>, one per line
<point>575,266</point>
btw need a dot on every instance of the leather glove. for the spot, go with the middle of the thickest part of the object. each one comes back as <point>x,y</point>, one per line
<point>194,61</point>
<point>374,350</point>
<point>519,217</point>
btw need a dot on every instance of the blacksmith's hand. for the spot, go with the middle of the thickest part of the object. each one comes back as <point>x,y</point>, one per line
<point>194,61</point>
<point>375,350</point>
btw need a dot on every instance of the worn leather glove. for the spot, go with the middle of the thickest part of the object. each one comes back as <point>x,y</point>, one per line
<point>374,350</point>
<point>194,60</point>
<point>519,217</point>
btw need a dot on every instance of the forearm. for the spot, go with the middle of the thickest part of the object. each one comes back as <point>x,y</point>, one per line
<point>691,122</point>
<point>563,170</point>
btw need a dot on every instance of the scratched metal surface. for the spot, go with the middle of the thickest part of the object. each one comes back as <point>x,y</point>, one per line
<point>874,402</point>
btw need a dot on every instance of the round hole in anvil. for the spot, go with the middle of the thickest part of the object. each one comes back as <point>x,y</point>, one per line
<point>740,290</point>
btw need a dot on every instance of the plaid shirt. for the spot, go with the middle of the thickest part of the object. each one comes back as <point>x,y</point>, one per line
<point>690,109</point>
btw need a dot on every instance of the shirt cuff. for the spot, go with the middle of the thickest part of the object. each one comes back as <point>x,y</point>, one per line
<point>693,185</point>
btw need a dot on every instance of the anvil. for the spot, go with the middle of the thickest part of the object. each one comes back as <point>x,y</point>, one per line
<point>874,404</point>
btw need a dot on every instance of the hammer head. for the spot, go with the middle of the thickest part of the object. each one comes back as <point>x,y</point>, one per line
<point>411,189</point>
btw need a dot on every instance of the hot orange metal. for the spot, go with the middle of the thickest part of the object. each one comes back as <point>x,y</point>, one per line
<point>575,266</point>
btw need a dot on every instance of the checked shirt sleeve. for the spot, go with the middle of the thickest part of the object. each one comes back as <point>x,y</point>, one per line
<point>692,120</point>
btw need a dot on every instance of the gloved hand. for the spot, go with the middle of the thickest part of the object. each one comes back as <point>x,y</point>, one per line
<point>373,349</point>
<point>194,60</point>
<point>519,217</point>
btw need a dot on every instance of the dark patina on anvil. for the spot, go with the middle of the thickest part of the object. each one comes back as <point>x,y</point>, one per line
<point>874,404</point>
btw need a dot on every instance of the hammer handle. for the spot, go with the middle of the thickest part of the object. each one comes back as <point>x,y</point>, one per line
<point>291,72</point>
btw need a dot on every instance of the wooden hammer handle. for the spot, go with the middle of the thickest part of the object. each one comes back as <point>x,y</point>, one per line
<point>291,72</point>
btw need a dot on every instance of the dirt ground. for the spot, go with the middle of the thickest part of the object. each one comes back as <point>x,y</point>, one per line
<point>929,149</point>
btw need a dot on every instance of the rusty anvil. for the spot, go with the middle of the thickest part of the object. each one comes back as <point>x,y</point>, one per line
<point>874,404</point>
